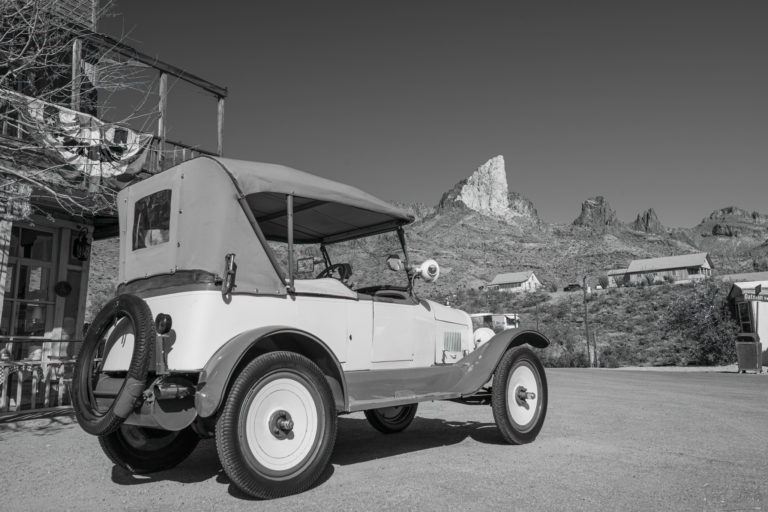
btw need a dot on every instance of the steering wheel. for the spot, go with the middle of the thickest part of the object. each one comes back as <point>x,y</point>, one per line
<point>344,270</point>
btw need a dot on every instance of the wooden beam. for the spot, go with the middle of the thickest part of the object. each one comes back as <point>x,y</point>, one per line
<point>220,126</point>
<point>77,52</point>
<point>114,45</point>
<point>162,107</point>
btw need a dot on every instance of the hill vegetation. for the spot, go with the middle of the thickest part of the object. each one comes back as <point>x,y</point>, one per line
<point>659,325</point>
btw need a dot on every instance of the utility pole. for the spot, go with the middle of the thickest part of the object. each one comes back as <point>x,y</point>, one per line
<point>586,319</point>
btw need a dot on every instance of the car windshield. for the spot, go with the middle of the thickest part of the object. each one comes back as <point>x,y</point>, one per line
<point>367,256</point>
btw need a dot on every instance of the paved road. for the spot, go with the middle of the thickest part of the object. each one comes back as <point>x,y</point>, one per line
<point>613,440</point>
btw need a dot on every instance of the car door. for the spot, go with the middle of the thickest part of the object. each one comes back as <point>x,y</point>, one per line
<point>403,332</point>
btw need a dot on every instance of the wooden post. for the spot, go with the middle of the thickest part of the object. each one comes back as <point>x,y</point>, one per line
<point>220,121</point>
<point>5,248</point>
<point>289,205</point>
<point>77,51</point>
<point>161,120</point>
<point>586,319</point>
<point>94,15</point>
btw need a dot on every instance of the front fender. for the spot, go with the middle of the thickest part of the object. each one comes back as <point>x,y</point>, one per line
<point>478,366</point>
<point>220,368</point>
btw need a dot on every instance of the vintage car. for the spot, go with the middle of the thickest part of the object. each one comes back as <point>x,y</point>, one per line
<point>213,332</point>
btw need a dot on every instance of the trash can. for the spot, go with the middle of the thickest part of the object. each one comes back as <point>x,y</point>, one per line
<point>749,353</point>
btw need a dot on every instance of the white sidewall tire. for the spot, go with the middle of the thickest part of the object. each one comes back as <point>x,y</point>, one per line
<point>259,462</point>
<point>519,421</point>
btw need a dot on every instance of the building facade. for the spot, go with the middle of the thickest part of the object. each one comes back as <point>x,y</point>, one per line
<point>683,268</point>
<point>60,169</point>
<point>525,281</point>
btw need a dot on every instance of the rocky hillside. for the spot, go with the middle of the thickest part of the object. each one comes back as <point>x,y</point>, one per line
<point>480,228</point>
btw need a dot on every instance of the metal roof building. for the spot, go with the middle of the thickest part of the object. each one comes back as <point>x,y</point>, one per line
<point>681,268</point>
<point>700,259</point>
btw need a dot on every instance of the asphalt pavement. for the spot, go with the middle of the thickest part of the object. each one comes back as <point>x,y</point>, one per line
<point>612,440</point>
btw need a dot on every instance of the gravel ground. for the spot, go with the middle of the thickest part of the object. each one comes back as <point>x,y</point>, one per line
<point>613,440</point>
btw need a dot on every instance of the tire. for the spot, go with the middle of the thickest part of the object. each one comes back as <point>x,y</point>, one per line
<point>519,417</point>
<point>276,431</point>
<point>390,420</point>
<point>138,317</point>
<point>143,450</point>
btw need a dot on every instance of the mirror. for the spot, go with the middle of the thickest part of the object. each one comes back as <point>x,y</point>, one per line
<point>394,262</point>
<point>305,265</point>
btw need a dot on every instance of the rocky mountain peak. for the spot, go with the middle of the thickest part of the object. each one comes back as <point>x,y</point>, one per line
<point>648,222</point>
<point>596,213</point>
<point>735,211</point>
<point>486,191</point>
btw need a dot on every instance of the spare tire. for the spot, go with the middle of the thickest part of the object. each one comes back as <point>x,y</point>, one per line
<point>136,312</point>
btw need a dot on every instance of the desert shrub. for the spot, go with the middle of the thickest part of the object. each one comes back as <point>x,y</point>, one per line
<point>760,263</point>
<point>552,287</point>
<point>616,355</point>
<point>603,281</point>
<point>530,300</point>
<point>704,322</point>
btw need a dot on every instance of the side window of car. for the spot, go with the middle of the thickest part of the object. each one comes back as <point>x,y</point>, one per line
<point>152,220</point>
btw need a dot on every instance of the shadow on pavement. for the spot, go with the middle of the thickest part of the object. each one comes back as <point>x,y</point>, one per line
<point>357,441</point>
<point>200,466</point>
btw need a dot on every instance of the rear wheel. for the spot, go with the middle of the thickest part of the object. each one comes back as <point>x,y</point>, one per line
<point>277,429</point>
<point>143,450</point>
<point>390,420</point>
<point>519,395</point>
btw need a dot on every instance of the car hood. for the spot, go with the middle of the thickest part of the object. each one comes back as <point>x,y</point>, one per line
<point>446,314</point>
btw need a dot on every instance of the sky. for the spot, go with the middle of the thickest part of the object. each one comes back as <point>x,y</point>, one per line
<point>652,104</point>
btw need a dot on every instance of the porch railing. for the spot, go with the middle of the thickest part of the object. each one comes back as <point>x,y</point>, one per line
<point>34,384</point>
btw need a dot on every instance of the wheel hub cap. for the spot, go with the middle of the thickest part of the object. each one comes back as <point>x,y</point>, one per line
<point>281,424</point>
<point>523,396</point>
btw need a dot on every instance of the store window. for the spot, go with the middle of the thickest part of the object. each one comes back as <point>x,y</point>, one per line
<point>28,305</point>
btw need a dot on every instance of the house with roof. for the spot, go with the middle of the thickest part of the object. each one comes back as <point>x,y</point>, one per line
<point>682,268</point>
<point>525,281</point>
<point>616,277</point>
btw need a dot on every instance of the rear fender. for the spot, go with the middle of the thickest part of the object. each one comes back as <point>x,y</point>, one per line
<point>479,366</point>
<point>221,369</point>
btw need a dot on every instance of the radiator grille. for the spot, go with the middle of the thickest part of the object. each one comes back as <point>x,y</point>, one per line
<point>452,341</point>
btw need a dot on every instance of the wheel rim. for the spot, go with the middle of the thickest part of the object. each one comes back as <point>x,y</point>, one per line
<point>524,396</point>
<point>281,424</point>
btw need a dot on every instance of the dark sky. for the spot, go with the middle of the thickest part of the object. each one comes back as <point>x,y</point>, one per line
<point>659,104</point>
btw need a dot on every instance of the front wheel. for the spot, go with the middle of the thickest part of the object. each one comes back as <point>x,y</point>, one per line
<point>143,450</point>
<point>391,420</point>
<point>276,431</point>
<point>519,395</point>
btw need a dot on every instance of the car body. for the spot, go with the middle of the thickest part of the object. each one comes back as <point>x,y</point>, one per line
<point>212,331</point>
<point>572,287</point>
